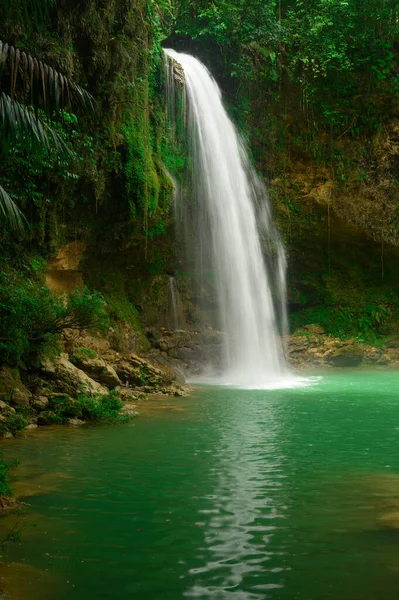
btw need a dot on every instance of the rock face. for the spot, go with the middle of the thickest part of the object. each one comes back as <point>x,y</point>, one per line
<point>97,369</point>
<point>69,379</point>
<point>189,351</point>
<point>12,390</point>
<point>74,381</point>
<point>39,403</point>
<point>347,356</point>
<point>63,270</point>
<point>311,347</point>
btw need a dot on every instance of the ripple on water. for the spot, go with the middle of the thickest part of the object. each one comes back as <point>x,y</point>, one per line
<point>283,494</point>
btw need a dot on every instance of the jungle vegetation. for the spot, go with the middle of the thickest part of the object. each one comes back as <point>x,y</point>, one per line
<point>85,146</point>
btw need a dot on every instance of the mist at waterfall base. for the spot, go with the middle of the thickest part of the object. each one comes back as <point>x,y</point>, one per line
<point>231,217</point>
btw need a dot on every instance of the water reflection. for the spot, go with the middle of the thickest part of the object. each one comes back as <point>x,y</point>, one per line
<point>246,508</point>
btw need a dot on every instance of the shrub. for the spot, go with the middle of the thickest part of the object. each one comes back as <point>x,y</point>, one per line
<point>31,319</point>
<point>81,353</point>
<point>5,488</point>
<point>366,322</point>
<point>101,408</point>
<point>12,424</point>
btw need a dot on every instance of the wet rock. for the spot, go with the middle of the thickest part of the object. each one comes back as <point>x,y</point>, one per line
<point>137,371</point>
<point>31,426</point>
<point>168,364</point>
<point>98,370</point>
<point>76,422</point>
<point>298,343</point>
<point>180,391</point>
<point>39,403</point>
<point>347,356</point>
<point>127,394</point>
<point>70,380</point>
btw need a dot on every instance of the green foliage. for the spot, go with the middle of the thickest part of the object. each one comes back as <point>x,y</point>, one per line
<point>31,319</point>
<point>341,55</point>
<point>120,309</point>
<point>43,173</point>
<point>98,408</point>
<point>12,424</point>
<point>17,122</point>
<point>10,211</point>
<point>82,352</point>
<point>5,488</point>
<point>149,190</point>
<point>44,86</point>
<point>103,409</point>
<point>39,86</point>
<point>366,323</point>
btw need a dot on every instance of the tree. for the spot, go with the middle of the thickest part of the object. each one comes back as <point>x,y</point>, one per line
<point>32,93</point>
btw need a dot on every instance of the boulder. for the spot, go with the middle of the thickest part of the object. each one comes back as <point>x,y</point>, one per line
<point>5,409</point>
<point>133,370</point>
<point>127,394</point>
<point>76,422</point>
<point>347,356</point>
<point>21,396</point>
<point>39,403</point>
<point>166,363</point>
<point>98,370</point>
<point>68,379</point>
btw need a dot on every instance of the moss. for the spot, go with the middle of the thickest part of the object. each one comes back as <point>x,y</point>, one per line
<point>82,353</point>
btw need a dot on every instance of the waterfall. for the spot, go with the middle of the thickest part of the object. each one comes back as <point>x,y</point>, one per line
<point>232,217</point>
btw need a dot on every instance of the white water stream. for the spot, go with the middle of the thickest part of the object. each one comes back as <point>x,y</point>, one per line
<point>232,214</point>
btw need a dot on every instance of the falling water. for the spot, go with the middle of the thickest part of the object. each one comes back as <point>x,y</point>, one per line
<point>232,216</point>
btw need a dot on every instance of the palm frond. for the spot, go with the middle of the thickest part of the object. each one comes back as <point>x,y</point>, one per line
<point>47,88</point>
<point>10,212</point>
<point>19,123</point>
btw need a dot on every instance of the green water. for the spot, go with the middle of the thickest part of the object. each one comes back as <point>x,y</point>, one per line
<point>241,495</point>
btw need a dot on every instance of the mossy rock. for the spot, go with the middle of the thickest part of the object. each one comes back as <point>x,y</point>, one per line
<point>348,356</point>
<point>49,417</point>
<point>81,354</point>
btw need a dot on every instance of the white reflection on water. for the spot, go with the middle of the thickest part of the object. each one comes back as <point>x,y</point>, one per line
<point>248,505</point>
